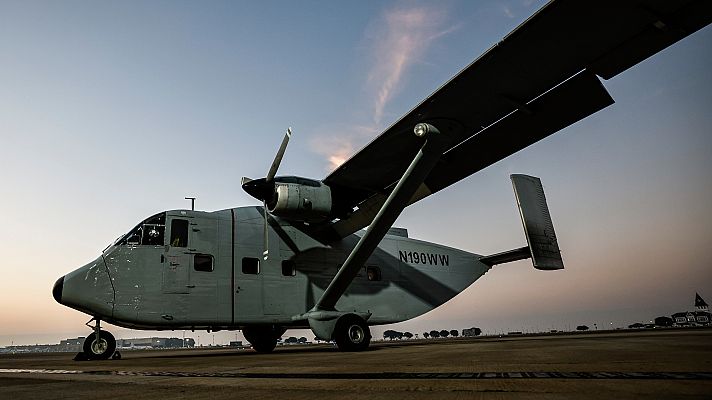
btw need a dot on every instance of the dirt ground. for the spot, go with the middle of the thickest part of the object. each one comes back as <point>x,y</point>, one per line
<point>644,364</point>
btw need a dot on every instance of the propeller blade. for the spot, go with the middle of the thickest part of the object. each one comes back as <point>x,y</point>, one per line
<point>265,254</point>
<point>263,188</point>
<point>278,159</point>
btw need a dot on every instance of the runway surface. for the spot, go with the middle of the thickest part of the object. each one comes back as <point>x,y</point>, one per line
<point>644,364</point>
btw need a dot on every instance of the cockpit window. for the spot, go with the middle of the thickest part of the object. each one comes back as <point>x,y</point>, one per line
<point>179,233</point>
<point>148,233</point>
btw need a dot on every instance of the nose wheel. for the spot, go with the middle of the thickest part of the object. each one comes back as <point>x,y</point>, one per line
<point>100,345</point>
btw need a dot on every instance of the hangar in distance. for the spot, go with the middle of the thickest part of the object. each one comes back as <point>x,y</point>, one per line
<point>303,258</point>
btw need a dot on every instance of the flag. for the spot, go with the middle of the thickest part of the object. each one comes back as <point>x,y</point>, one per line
<point>699,302</point>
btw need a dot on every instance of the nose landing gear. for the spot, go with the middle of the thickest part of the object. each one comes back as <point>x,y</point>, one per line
<point>100,345</point>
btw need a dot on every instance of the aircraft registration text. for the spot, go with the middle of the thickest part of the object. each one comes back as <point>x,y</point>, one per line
<point>414,257</point>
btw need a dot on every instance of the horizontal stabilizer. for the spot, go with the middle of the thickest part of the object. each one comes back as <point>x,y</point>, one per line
<point>507,256</point>
<point>536,220</point>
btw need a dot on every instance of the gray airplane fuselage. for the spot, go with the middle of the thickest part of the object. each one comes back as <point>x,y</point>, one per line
<point>204,270</point>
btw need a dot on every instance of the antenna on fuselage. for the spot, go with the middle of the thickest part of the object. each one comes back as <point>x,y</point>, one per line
<point>192,203</point>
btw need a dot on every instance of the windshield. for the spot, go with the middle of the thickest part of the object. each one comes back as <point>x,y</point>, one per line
<point>148,233</point>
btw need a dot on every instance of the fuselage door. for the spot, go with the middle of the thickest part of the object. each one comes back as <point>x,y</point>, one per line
<point>250,265</point>
<point>177,262</point>
<point>205,268</point>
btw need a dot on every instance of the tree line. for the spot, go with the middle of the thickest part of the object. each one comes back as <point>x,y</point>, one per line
<point>392,334</point>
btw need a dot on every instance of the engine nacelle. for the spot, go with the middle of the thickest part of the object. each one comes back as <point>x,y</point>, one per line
<point>301,202</point>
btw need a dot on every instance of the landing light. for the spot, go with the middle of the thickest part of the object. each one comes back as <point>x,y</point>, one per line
<point>421,129</point>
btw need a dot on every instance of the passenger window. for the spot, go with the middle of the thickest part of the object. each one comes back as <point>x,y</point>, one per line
<point>250,266</point>
<point>289,268</point>
<point>373,273</point>
<point>203,262</point>
<point>179,233</point>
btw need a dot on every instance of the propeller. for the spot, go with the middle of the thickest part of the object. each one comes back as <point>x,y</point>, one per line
<point>278,158</point>
<point>265,189</point>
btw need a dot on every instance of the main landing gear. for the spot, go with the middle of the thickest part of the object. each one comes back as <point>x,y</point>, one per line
<point>263,338</point>
<point>351,333</point>
<point>100,345</point>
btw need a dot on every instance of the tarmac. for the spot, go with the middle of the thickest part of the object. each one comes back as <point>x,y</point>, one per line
<point>647,364</point>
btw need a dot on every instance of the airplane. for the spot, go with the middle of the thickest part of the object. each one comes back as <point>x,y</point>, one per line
<point>323,254</point>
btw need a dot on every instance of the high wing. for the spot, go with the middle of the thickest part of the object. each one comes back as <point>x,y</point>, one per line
<point>539,79</point>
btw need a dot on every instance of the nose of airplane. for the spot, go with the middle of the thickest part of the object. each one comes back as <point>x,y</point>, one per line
<point>57,290</point>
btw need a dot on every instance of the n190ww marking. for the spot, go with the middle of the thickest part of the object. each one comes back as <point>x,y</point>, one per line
<point>414,257</point>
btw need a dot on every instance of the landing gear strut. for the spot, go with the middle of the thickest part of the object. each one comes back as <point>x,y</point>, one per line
<point>350,331</point>
<point>100,345</point>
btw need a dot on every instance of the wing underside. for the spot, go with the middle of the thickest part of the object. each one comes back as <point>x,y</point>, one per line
<point>539,79</point>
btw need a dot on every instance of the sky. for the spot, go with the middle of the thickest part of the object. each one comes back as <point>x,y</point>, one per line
<point>113,111</point>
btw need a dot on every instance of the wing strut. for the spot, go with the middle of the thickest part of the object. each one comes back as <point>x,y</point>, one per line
<point>424,161</point>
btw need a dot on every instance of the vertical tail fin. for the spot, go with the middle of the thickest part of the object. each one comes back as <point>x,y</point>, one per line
<point>536,220</point>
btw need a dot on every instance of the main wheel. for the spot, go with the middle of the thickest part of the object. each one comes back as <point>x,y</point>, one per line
<point>352,333</point>
<point>101,348</point>
<point>263,339</point>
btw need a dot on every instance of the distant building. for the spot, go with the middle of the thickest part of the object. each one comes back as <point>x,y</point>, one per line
<point>691,318</point>
<point>66,345</point>
<point>700,316</point>
<point>471,332</point>
<point>72,345</point>
<point>154,343</point>
<point>664,321</point>
<point>680,318</point>
<point>76,345</point>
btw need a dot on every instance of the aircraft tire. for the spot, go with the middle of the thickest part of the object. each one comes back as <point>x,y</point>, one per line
<point>103,349</point>
<point>262,340</point>
<point>264,345</point>
<point>352,333</point>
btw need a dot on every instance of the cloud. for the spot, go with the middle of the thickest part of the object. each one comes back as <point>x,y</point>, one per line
<point>507,11</point>
<point>511,9</point>
<point>395,40</point>
<point>338,143</point>
<point>402,37</point>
